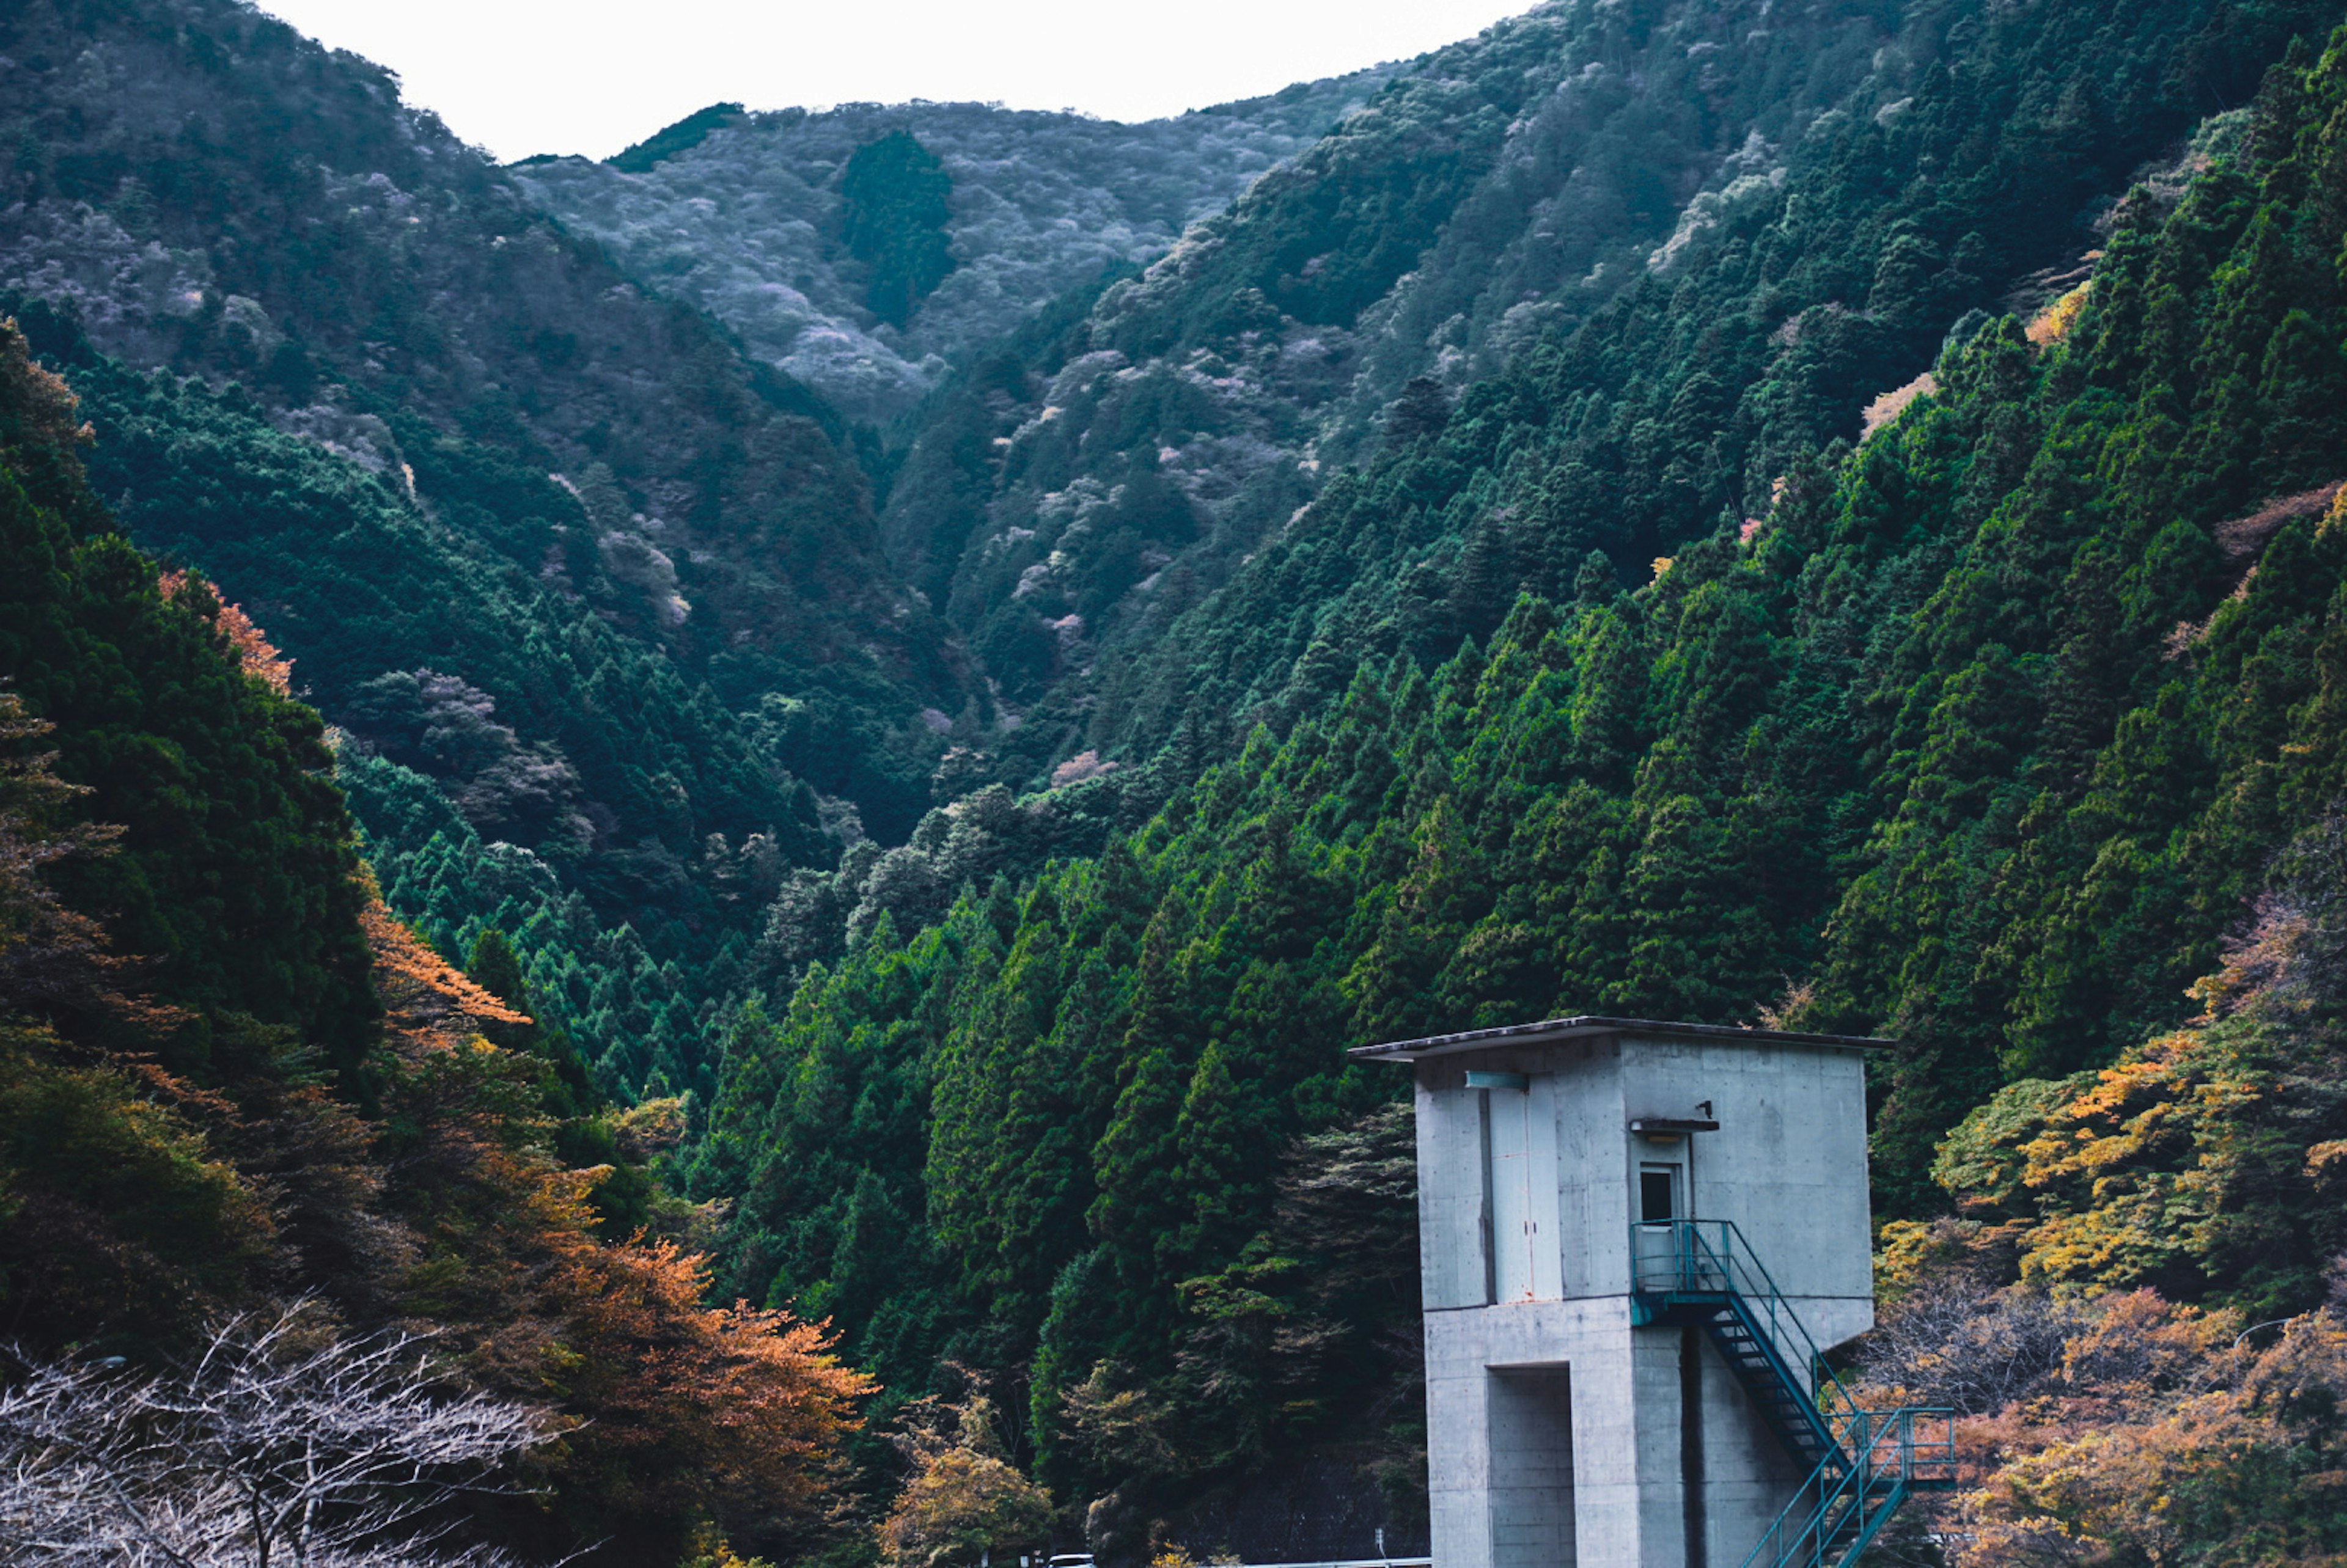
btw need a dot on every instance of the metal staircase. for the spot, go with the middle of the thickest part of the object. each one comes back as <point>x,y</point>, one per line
<point>1862,1463</point>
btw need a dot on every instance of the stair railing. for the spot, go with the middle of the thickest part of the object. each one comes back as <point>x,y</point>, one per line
<point>1873,1459</point>
<point>1835,1516</point>
<point>1709,1259</point>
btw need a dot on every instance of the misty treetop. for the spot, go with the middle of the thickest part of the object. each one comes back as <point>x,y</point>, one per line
<point>749,218</point>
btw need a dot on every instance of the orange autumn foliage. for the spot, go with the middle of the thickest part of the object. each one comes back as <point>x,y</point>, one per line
<point>426,1000</point>
<point>2164,1438</point>
<point>676,1409</point>
<point>254,651</point>
<point>419,1191</point>
<point>45,406</point>
<point>694,1404</point>
<point>2052,323</point>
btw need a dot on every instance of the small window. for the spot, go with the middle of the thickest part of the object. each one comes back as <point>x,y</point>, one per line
<point>1655,1195</point>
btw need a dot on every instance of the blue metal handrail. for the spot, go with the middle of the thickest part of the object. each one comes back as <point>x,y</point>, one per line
<point>1889,1459</point>
<point>1871,1459</point>
<point>1710,1258</point>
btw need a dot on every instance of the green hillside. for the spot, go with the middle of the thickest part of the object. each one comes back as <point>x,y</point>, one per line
<point>818,957</point>
<point>538,537</point>
<point>232,1085</point>
<point>1645,299</point>
<point>1979,735</point>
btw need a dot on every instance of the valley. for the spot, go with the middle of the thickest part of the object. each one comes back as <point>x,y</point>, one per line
<point>763,783</point>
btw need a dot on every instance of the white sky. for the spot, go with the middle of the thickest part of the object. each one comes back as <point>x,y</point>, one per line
<point>521,76</point>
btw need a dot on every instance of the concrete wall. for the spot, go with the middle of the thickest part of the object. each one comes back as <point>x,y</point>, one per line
<point>1468,1440</point>
<point>1592,1202</point>
<point>1496,1381</point>
<point>1787,1165</point>
<point>1747,1476</point>
<point>1560,1392</point>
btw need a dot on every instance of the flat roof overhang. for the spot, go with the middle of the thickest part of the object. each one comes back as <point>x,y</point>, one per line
<point>1551,1031</point>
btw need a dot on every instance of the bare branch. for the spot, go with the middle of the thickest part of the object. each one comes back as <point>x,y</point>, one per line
<point>277,1442</point>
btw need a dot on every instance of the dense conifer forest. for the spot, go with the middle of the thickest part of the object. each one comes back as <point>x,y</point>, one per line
<point>807,936</point>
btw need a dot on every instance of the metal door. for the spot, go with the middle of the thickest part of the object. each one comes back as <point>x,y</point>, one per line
<point>1515,1224</point>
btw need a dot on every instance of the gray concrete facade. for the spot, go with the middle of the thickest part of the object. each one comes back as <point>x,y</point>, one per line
<point>1560,1435</point>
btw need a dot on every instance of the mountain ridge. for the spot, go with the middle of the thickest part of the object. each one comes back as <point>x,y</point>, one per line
<point>743,221</point>
<point>1828,514</point>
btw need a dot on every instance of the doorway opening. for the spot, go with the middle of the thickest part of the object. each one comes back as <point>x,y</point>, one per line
<point>1530,1414</point>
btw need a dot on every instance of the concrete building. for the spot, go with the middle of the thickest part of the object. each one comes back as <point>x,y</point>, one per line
<point>1609,1385</point>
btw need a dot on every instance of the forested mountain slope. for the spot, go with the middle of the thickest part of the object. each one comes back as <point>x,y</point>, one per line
<point>211,193</point>
<point>547,542</point>
<point>1705,233</point>
<point>747,216</point>
<point>230,1081</point>
<point>1456,584</point>
<point>579,752</point>
<point>216,193</point>
<point>1981,734</point>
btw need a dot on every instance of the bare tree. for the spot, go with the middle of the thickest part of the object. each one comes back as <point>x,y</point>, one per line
<point>1959,1343</point>
<point>278,1444</point>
